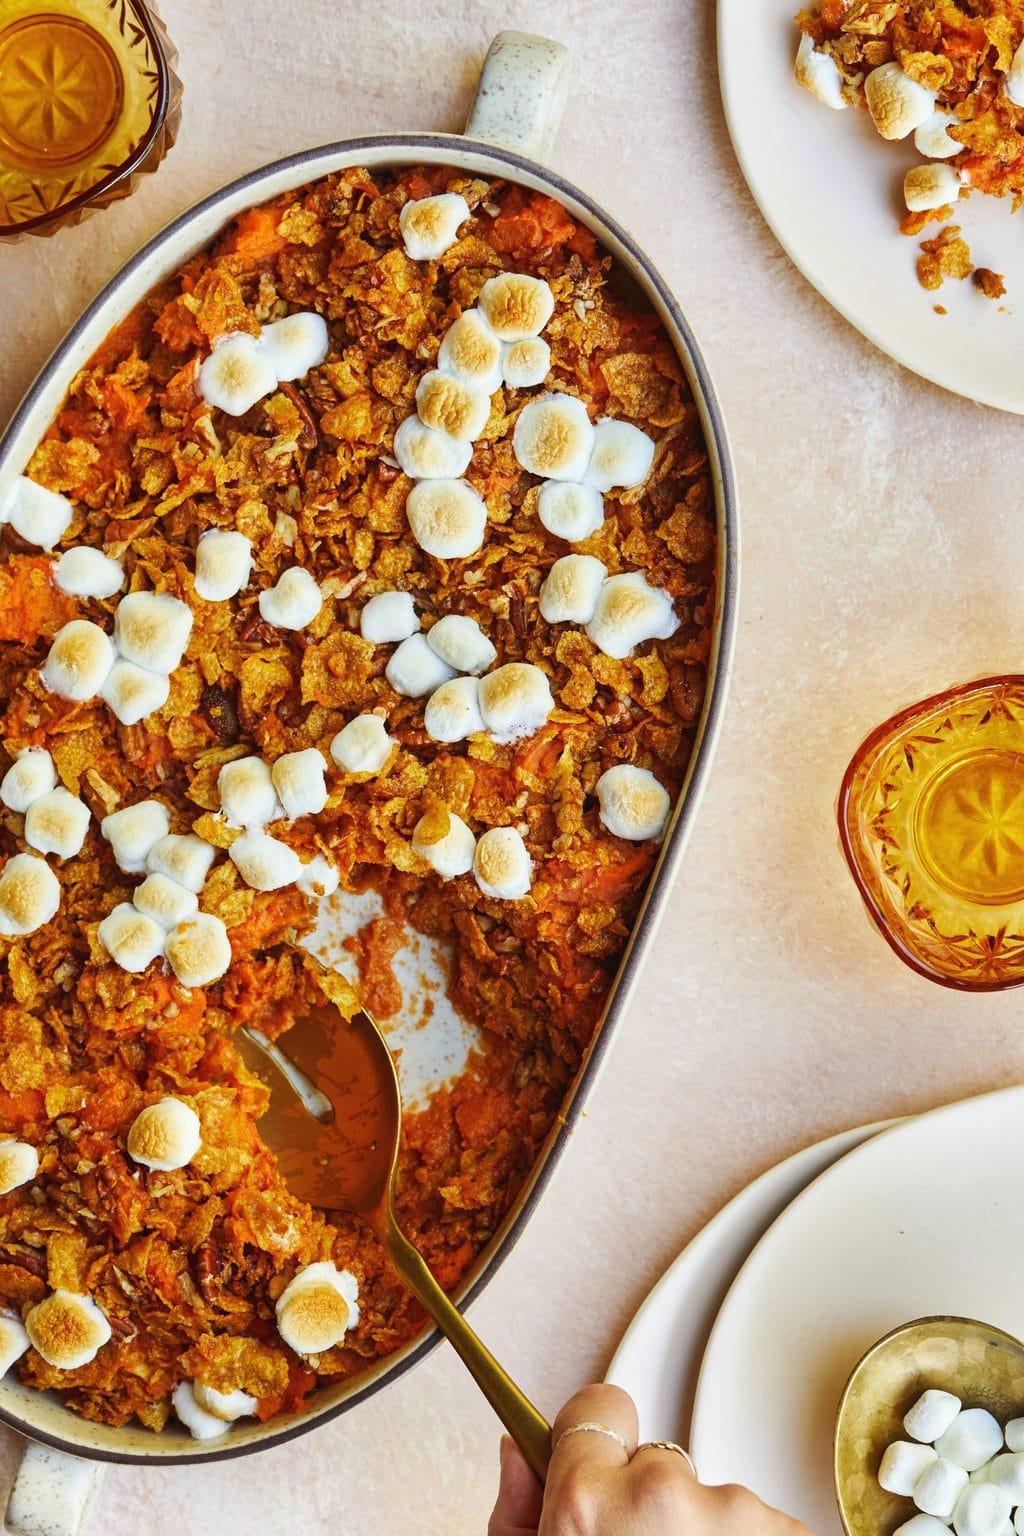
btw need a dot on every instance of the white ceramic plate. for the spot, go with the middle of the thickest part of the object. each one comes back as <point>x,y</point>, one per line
<point>925,1218</point>
<point>831,189</point>
<point>659,1357</point>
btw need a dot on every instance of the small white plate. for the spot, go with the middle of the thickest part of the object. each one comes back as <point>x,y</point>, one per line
<point>831,189</point>
<point>659,1357</point>
<point>926,1218</point>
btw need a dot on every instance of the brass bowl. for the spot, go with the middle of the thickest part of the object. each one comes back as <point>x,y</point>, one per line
<point>983,1366</point>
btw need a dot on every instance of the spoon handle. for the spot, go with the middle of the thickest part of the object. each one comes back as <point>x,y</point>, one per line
<point>528,1428</point>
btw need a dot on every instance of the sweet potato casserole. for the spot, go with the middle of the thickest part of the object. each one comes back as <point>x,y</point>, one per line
<point>378,406</point>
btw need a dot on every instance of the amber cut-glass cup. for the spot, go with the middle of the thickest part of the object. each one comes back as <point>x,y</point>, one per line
<point>931,818</point>
<point>89,102</point>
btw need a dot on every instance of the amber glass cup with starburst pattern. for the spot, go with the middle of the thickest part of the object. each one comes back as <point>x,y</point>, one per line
<point>931,817</point>
<point>89,102</point>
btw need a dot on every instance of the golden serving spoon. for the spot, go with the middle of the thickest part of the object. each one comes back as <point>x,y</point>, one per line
<point>982,1366</point>
<point>336,1136</point>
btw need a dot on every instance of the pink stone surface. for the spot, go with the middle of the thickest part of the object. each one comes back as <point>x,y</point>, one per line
<point>883,560</point>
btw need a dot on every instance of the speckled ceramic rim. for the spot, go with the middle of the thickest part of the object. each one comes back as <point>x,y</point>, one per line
<point>473,155</point>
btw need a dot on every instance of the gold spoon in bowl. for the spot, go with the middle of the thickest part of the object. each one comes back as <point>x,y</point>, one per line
<point>982,1366</point>
<point>337,1142</point>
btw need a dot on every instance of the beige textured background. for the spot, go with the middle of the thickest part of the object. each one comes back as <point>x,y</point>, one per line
<point>883,551</point>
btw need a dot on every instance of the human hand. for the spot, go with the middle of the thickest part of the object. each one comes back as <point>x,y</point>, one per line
<point>595,1488</point>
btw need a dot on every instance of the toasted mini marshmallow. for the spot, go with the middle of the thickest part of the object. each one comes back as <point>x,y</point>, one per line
<point>388,617</point>
<point>526,363</point>
<point>451,855</point>
<point>298,778</point>
<point>471,351</point>
<point>515,700</point>
<point>198,950</point>
<point>363,746</point>
<point>131,939</point>
<point>67,1330</point>
<point>29,895</point>
<point>32,774</point>
<point>296,344</point>
<point>571,589</point>
<point>1015,79</point>
<point>165,901</point>
<point>14,1341</point>
<point>516,306</point>
<point>87,572</point>
<point>265,863</point>
<point>165,1135</point>
<point>226,1406</point>
<point>453,711</point>
<point>930,186</point>
<point>133,831</point>
<point>429,225</point>
<point>426,454</point>
<point>414,669</point>
<point>570,511</point>
<point>293,601</point>
<point>19,1163</point>
<point>80,659</point>
<point>318,878</point>
<point>200,1422</point>
<point>553,437</point>
<point>40,516</point>
<point>502,866</point>
<point>451,405</point>
<point>134,693</point>
<point>447,517</point>
<point>247,794</point>
<point>633,804</point>
<point>223,565</point>
<point>237,373</point>
<point>461,643</point>
<point>152,629</point>
<point>622,455</point>
<point>630,611</point>
<point>184,859</point>
<point>933,139</point>
<point>897,103</point>
<point>819,73</point>
<point>317,1308</point>
<point>57,823</point>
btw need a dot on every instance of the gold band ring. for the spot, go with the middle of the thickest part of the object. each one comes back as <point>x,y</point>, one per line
<point>669,1445</point>
<point>589,1427</point>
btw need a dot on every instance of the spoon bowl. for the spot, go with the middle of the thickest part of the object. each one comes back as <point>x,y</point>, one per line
<point>981,1365</point>
<point>335,1123</point>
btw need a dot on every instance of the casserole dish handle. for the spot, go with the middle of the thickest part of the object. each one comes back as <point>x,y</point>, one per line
<point>521,94</point>
<point>52,1493</point>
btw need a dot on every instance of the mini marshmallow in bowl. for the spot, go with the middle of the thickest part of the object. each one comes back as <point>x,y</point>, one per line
<point>415,669</point>
<point>264,862</point>
<point>223,564</point>
<point>133,831</point>
<point>453,405</point>
<point>526,363</point>
<point>295,344</point>
<point>930,186</point>
<point>471,351</point>
<point>183,858</point>
<point>199,950</point>
<point>165,1136</point>
<point>298,778</point>
<point>14,1341</point>
<point>29,895</point>
<point>293,601</point>
<point>622,455</point>
<point>247,794</point>
<point>633,803</point>
<point>630,612</point>
<point>571,589</point>
<point>41,517</point>
<point>87,572</point>
<point>134,693</point>
<point>515,701</point>
<point>897,103</point>
<point>553,437</point>
<point>363,745</point>
<point>19,1164</point>
<point>31,774</point>
<point>569,510</point>
<point>448,518</point>
<point>451,855</point>
<point>429,225</point>
<point>516,306</point>
<point>67,1329</point>
<point>79,662</point>
<point>502,864</point>
<point>317,1308</point>
<point>461,644</point>
<point>131,938</point>
<point>57,822</point>
<point>453,711</point>
<point>423,453</point>
<point>165,901</point>
<point>152,629</point>
<point>388,618</point>
<point>237,374</point>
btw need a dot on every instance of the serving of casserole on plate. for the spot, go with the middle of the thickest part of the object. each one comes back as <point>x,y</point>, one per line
<point>374,550</point>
